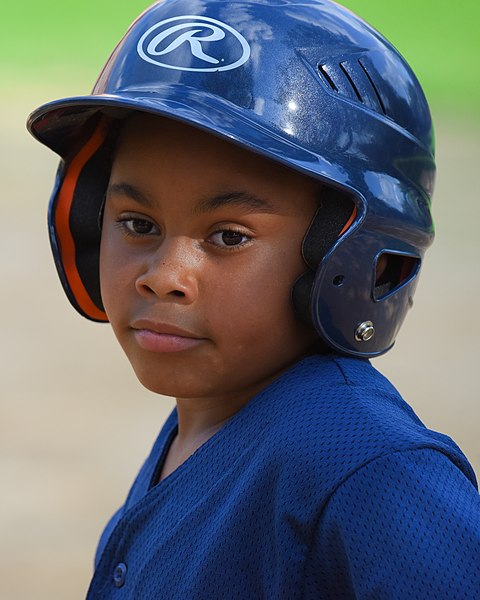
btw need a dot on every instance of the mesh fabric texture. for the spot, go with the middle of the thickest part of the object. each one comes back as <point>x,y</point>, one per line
<point>326,486</point>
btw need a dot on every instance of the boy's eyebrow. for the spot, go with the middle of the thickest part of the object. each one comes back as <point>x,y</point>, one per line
<point>126,189</point>
<point>244,199</point>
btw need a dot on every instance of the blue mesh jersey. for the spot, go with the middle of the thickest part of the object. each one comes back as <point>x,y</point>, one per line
<point>326,486</point>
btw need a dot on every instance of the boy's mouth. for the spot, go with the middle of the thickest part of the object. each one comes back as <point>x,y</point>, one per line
<point>164,337</point>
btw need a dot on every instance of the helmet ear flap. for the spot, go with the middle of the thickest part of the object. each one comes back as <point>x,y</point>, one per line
<point>74,216</point>
<point>332,218</point>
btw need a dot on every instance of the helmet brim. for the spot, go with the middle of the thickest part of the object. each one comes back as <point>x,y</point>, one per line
<point>59,124</point>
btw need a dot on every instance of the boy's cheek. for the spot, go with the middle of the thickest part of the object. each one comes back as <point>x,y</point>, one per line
<point>115,284</point>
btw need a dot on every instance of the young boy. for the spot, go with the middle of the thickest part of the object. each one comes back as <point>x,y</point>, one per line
<point>246,198</point>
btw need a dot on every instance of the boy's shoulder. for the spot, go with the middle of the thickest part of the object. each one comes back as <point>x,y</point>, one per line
<point>342,398</point>
<point>330,415</point>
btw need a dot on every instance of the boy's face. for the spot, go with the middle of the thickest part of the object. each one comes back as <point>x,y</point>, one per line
<point>200,249</point>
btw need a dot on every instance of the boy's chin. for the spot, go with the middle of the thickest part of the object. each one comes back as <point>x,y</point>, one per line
<point>200,386</point>
<point>172,386</point>
<point>161,385</point>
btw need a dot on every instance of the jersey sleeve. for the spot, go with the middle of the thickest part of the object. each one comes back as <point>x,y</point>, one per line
<point>406,525</point>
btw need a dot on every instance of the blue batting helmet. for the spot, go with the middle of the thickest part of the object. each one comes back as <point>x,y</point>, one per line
<point>309,85</point>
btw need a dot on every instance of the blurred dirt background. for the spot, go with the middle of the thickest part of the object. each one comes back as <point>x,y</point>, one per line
<point>75,424</point>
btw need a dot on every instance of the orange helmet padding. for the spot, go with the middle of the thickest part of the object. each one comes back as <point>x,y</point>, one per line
<point>62,222</point>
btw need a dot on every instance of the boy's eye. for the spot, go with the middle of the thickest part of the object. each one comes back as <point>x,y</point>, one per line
<point>229,237</point>
<point>136,226</point>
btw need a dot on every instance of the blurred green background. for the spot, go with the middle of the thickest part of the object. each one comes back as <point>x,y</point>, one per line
<point>71,40</point>
<point>75,424</point>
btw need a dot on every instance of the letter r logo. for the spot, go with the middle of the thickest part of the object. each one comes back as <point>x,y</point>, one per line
<point>194,34</point>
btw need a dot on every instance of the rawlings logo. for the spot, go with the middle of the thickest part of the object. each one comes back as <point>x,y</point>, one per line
<point>183,45</point>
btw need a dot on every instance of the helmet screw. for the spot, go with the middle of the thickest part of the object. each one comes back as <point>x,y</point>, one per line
<point>365,331</point>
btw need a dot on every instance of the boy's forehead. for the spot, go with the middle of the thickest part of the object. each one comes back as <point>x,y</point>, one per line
<point>158,159</point>
<point>148,128</point>
<point>148,139</point>
<point>168,135</point>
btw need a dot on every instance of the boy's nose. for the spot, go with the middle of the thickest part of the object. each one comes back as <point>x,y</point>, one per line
<point>172,271</point>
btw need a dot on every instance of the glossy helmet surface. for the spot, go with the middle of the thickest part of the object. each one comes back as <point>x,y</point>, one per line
<point>307,84</point>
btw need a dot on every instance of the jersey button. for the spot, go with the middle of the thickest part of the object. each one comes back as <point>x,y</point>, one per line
<point>120,574</point>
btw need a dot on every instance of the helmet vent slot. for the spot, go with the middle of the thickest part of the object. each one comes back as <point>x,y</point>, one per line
<point>323,69</point>
<point>374,88</point>
<point>350,79</point>
<point>392,271</point>
<point>344,68</point>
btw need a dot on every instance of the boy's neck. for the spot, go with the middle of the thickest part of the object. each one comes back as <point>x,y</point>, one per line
<point>198,420</point>
<point>202,417</point>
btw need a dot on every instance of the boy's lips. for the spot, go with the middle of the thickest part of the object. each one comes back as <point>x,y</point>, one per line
<point>163,337</point>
